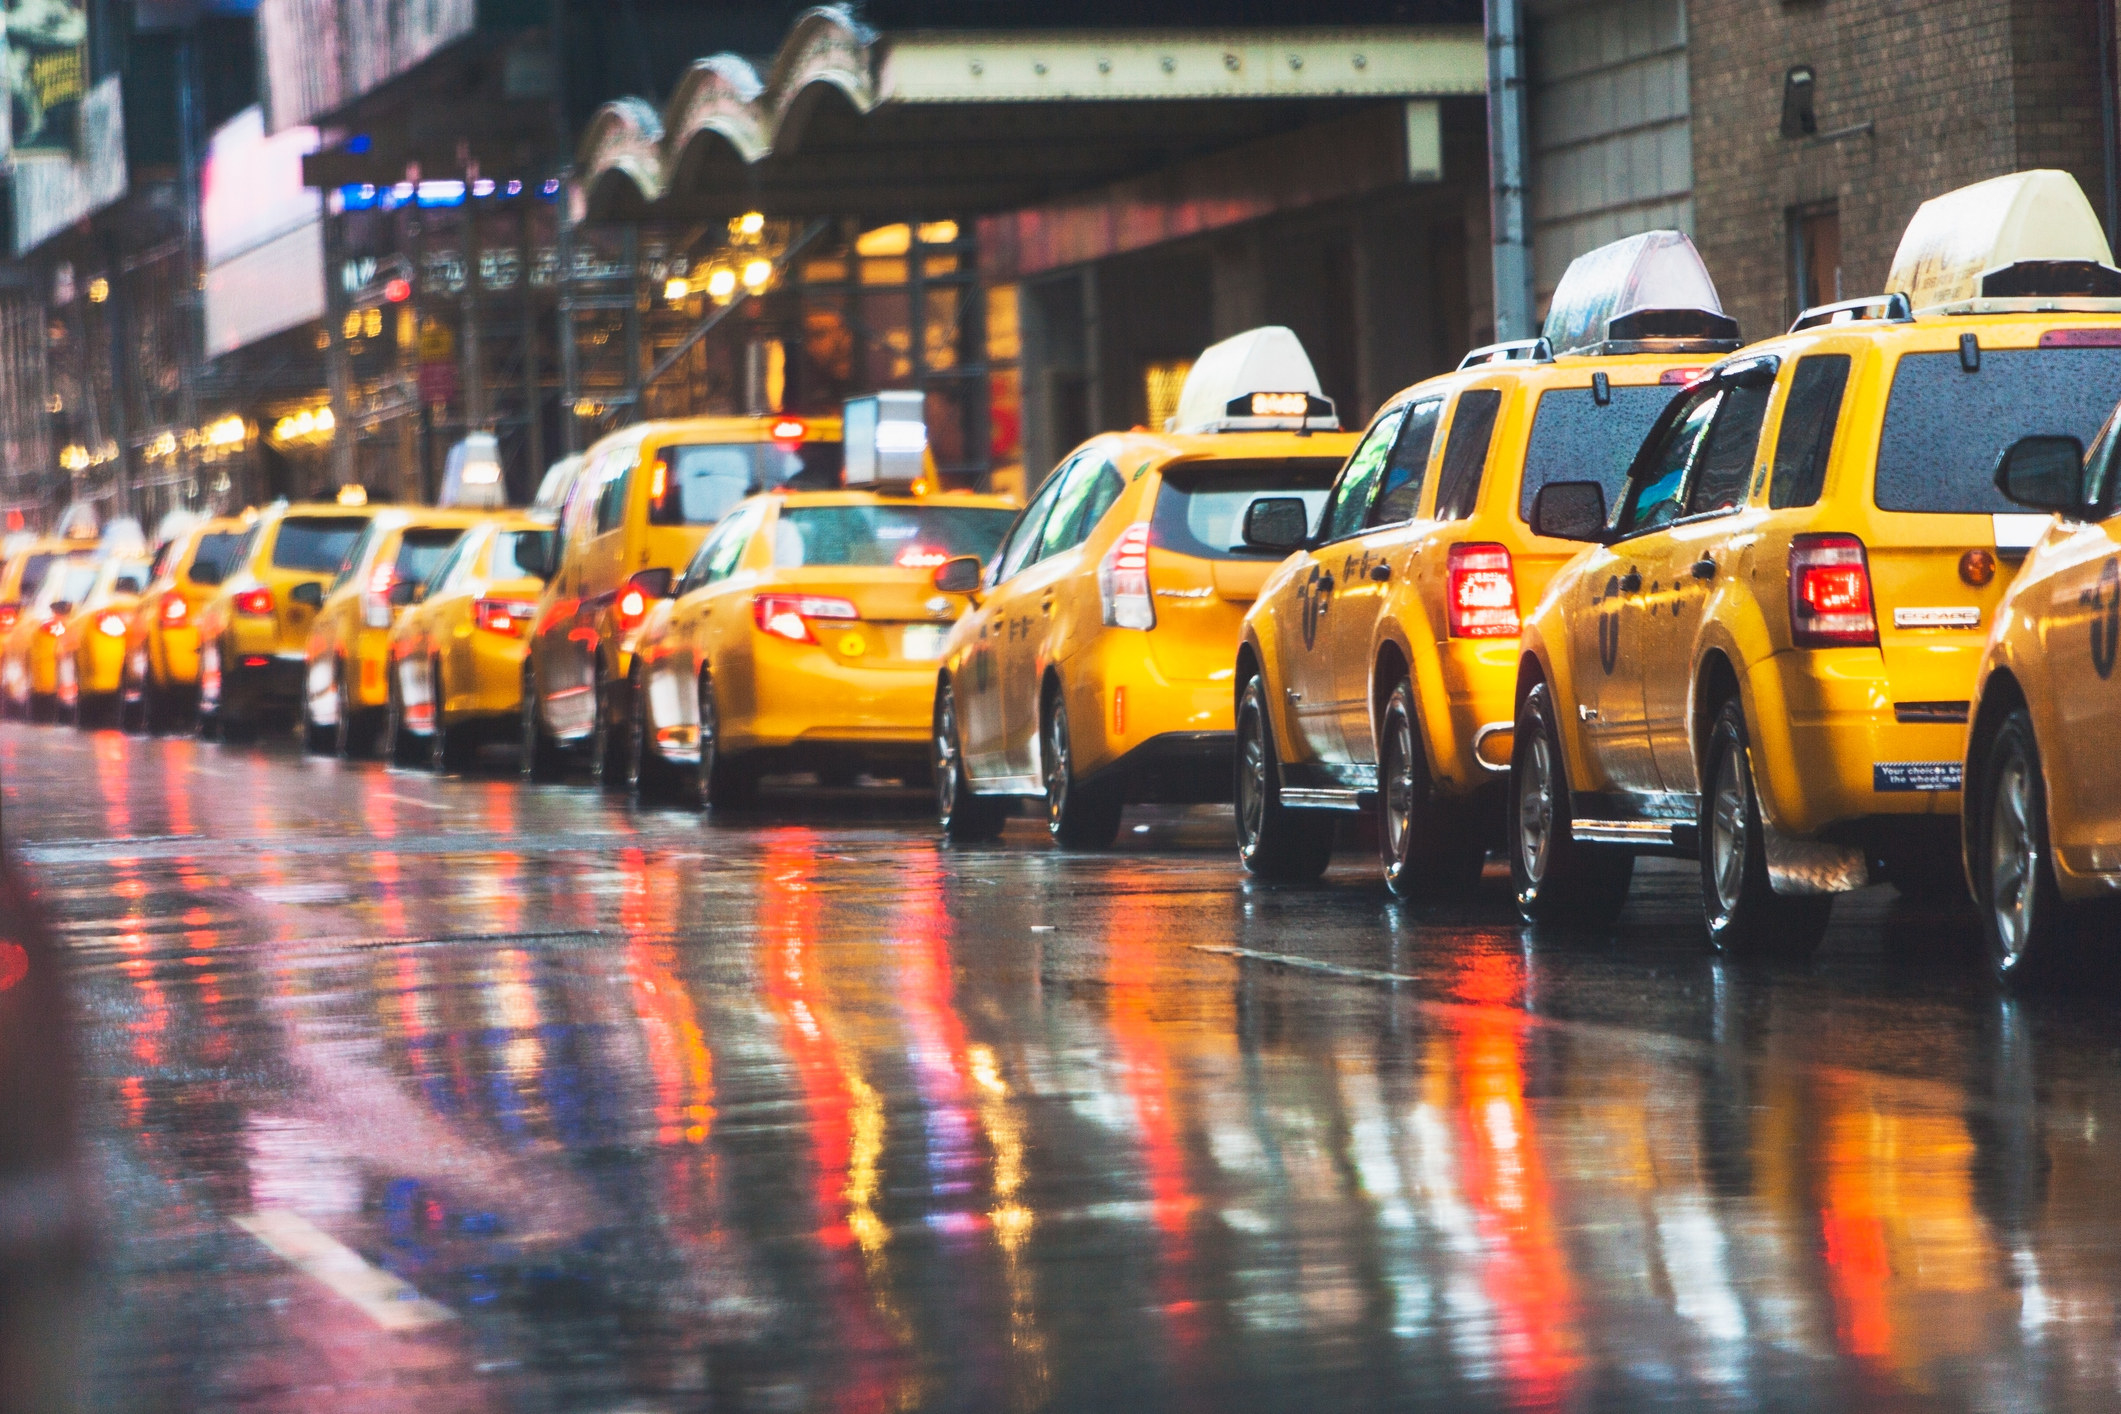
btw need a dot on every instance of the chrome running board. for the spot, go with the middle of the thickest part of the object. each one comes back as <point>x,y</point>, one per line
<point>1301,798</point>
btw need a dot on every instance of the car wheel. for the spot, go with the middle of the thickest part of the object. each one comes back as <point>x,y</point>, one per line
<point>450,749</point>
<point>540,754</point>
<point>966,817</point>
<point>1430,847</point>
<point>723,781</point>
<point>1557,879</point>
<point>1745,915</point>
<point>400,747</point>
<point>610,744</point>
<point>1077,817</point>
<point>206,711</point>
<point>1273,840</point>
<point>2025,921</point>
<point>346,740</point>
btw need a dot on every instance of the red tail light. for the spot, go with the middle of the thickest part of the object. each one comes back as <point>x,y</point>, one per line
<point>256,602</point>
<point>111,626</point>
<point>174,609</point>
<point>55,627</point>
<point>375,600</point>
<point>1123,580</point>
<point>633,607</point>
<point>788,615</point>
<point>507,616</point>
<point>1830,593</point>
<point>1481,598</point>
<point>10,615</point>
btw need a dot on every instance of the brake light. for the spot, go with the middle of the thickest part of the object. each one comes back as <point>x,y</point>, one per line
<point>10,615</point>
<point>55,627</point>
<point>789,429</point>
<point>1830,593</point>
<point>1123,580</point>
<point>917,557</point>
<point>1679,375</point>
<point>111,626</point>
<point>633,606</point>
<point>375,601</point>
<point>174,609</point>
<point>507,616</point>
<point>659,481</point>
<point>788,615</point>
<point>1480,599</point>
<point>256,602</point>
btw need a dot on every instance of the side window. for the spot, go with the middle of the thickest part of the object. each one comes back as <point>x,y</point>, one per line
<point>1726,466</point>
<point>1093,485</point>
<point>1357,487</point>
<point>1807,436</point>
<point>2100,489</point>
<point>357,555</point>
<point>725,550</point>
<point>581,503</point>
<point>1465,452</point>
<point>1657,488</point>
<point>611,496</point>
<point>1407,469</point>
<point>1025,537</point>
<point>442,577</point>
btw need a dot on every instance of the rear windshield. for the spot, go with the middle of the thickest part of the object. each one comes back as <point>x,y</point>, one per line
<point>69,582</point>
<point>138,571</point>
<point>216,556</point>
<point>421,550</point>
<point>317,544</point>
<point>1946,428</point>
<point>911,537</point>
<point>702,483</point>
<point>33,571</point>
<point>517,554</point>
<point>1200,508</point>
<point>1574,439</point>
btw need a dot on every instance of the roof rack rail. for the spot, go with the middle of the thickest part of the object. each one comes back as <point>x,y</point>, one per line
<point>1511,351</point>
<point>1893,308</point>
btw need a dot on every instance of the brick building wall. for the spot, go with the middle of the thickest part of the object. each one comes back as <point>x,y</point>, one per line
<point>1956,91</point>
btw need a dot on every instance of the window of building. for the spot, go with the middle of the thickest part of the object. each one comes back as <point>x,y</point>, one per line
<point>1815,255</point>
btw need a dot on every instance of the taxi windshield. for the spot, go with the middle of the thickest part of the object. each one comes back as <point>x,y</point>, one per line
<point>1200,508</point>
<point>702,483</point>
<point>909,537</point>
<point>1945,428</point>
<point>1577,438</point>
<point>317,544</point>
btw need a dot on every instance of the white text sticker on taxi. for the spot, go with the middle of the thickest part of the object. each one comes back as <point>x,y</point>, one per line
<point>1948,616</point>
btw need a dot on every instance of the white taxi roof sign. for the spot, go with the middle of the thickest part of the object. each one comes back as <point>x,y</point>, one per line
<point>1644,293</point>
<point>1219,389</point>
<point>1958,243</point>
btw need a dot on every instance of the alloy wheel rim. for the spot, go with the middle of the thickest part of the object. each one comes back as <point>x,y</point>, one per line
<point>1252,782</point>
<point>1398,773</point>
<point>946,752</point>
<point>1728,829</point>
<point>2014,859</point>
<point>709,730</point>
<point>1535,809</point>
<point>1057,763</point>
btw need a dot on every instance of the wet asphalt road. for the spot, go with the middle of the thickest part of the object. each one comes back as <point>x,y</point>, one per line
<point>457,1094</point>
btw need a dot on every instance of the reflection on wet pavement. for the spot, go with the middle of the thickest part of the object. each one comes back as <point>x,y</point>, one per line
<point>803,1110</point>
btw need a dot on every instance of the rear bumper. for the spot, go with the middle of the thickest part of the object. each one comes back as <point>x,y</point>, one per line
<point>254,680</point>
<point>802,697</point>
<point>1829,746</point>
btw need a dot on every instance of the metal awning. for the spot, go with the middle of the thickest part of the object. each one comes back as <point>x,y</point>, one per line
<point>846,119</point>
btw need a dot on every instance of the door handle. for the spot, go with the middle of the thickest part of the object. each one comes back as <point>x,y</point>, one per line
<point>1045,605</point>
<point>1380,573</point>
<point>1704,568</point>
<point>1632,584</point>
<point>1325,584</point>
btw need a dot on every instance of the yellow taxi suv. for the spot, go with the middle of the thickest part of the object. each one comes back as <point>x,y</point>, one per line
<point>346,657</point>
<point>1766,658</point>
<point>23,575</point>
<point>641,502</point>
<point>2042,826</point>
<point>1094,669</point>
<point>91,666</point>
<point>456,656</point>
<point>161,682</point>
<point>803,637</point>
<point>1378,667</point>
<point>30,651</point>
<point>253,630</point>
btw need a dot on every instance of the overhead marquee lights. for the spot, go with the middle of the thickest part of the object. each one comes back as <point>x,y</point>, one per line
<point>721,282</point>
<point>750,223</point>
<point>757,273</point>
<point>676,288</point>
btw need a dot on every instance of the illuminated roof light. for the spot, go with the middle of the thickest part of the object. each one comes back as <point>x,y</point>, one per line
<point>353,495</point>
<point>1260,379</point>
<point>789,429</point>
<point>2026,236</point>
<point>1647,293</point>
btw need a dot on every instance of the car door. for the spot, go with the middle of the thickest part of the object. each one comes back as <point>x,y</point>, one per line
<point>559,659</point>
<point>978,684</point>
<point>1383,548</point>
<point>1311,683</point>
<point>2081,606</point>
<point>721,632</point>
<point>1035,598</point>
<point>1684,563</point>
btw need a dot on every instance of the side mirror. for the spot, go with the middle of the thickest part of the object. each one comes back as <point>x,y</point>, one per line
<point>309,595</point>
<point>62,607</point>
<point>1570,510</point>
<point>959,575</point>
<point>403,592</point>
<point>2043,473</point>
<point>535,555</point>
<point>654,583</point>
<point>1277,523</point>
<point>126,584</point>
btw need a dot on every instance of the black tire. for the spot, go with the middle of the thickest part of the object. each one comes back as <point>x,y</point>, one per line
<point>42,708</point>
<point>1273,840</point>
<point>93,713</point>
<point>966,817</point>
<point>653,778</point>
<point>1078,816</point>
<point>1744,914</point>
<point>1430,847</point>
<point>1556,878</point>
<point>724,782</point>
<point>2026,924</point>
<point>350,738</point>
<point>317,739</point>
<point>400,747</point>
<point>540,754</point>
<point>450,749</point>
<point>611,748</point>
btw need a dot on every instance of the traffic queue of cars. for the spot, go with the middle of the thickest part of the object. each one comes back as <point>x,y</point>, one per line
<point>1631,588</point>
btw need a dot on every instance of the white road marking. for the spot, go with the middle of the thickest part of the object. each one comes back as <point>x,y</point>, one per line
<point>383,1298</point>
<point>408,800</point>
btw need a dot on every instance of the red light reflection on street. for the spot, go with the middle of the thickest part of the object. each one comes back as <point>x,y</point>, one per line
<point>14,965</point>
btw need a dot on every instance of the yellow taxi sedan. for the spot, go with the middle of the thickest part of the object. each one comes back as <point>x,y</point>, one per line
<point>91,664</point>
<point>162,639</point>
<point>30,651</point>
<point>22,575</point>
<point>456,656</point>
<point>803,637</point>
<point>1095,669</point>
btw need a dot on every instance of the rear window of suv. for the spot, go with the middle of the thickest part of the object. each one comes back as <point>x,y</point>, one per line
<point>1945,428</point>
<point>1575,438</point>
<point>419,551</point>
<point>316,544</point>
<point>1200,508</point>
<point>216,556</point>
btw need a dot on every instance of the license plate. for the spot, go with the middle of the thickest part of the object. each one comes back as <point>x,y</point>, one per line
<point>922,642</point>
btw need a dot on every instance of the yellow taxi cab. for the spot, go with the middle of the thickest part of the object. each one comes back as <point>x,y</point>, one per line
<point>1379,663</point>
<point>346,657</point>
<point>1766,658</point>
<point>803,637</point>
<point>91,664</point>
<point>1094,669</point>
<point>2042,826</point>
<point>640,503</point>
<point>23,575</point>
<point>30,651</point>
<point>456,656</point>
<point>162,636</point>
<point>254,628</point>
